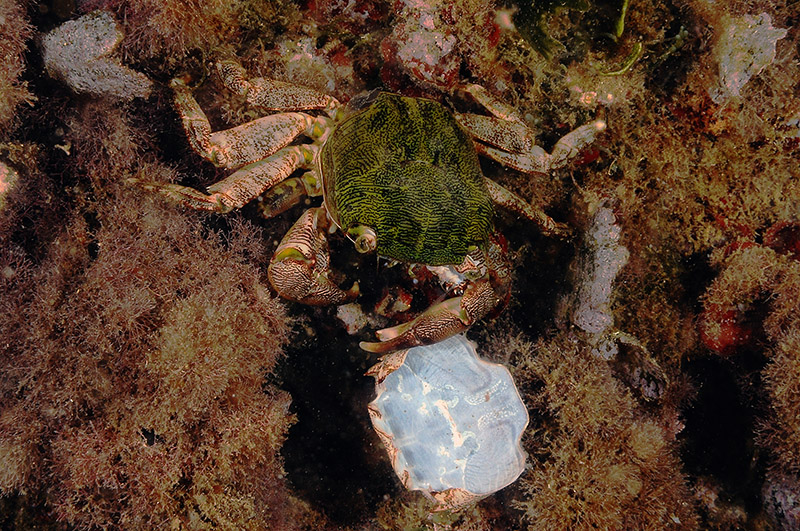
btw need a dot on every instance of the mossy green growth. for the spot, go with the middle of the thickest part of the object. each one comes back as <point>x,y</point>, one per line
<point>601,459</point>
<point>406,169</point>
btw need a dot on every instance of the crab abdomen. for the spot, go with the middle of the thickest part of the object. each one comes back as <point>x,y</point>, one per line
<point>405,168</point>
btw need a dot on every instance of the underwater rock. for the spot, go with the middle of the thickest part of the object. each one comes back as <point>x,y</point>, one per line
<point>423,45</point>
<point>745,48</point>
<point>784,238</point>
<point>451,422</point>
<point>78,51</point>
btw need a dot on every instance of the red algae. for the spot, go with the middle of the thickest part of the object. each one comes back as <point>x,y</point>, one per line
<point>134,358</point>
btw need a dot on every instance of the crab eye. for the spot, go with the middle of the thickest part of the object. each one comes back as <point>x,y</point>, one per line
<point>365,239</point>
<point>366,243</point>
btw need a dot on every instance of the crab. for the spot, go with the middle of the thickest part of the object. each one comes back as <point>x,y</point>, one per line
<point>399,176</point>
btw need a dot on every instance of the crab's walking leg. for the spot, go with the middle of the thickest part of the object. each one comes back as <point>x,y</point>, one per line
<point>272,94</point>
<point>245,143</point>
<point>299,268</point>
<point>260,149</point>
<point>247,183</point>
<point>537,160</point>
<point>511,201</point>
<point>240,187</point>
<point>511,143</point>
<point>498,108</point>
<point>288,193</point>
<point>505,138</point>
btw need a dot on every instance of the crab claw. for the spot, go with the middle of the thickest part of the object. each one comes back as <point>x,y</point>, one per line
<point>299,269</point>
<point>435,324</point>
<point>440,321</point>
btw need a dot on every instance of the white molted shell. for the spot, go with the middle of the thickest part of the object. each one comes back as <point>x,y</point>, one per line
<point>451,422</point>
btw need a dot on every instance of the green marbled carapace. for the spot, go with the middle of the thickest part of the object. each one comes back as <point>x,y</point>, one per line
<point>405,168</point>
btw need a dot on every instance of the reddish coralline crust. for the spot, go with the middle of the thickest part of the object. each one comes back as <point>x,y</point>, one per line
<point>358,17</point>
<point>722,330</point>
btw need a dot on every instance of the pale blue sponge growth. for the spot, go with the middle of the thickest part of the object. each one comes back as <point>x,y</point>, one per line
<point>454,420</point>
